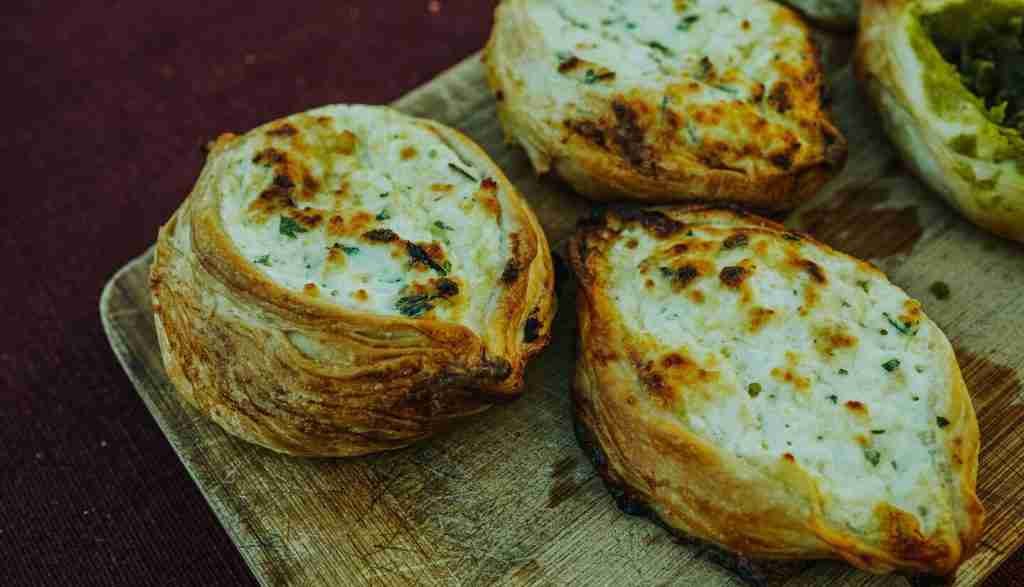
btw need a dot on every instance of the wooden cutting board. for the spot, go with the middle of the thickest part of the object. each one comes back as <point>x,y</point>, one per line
<point>509,498</point>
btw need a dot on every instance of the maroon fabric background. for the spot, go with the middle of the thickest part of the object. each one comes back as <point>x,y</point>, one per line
<point>107,104</point>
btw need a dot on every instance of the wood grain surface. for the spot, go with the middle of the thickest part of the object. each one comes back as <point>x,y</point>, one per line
<point>509,498</point>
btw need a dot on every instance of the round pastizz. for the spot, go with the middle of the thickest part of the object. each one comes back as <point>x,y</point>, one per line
<point>345,249</point>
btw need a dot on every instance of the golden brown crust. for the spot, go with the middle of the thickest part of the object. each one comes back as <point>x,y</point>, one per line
<point>627,146</point>
<point>305,376</point>
<point>697,488</point>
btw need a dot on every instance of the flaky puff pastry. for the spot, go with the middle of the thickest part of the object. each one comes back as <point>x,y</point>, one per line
<point>760,391</point>
<point>349,280</point>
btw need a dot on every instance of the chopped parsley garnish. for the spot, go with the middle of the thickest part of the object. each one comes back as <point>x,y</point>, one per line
<point>461,172</point>
<point>290,228</point>
<point>413,306</point>
<point>384,215</point>
<point>754,389</point>
<point>687,22</point>
<point>864,285</point>
<point>592,77</point>
<point>264,260</point>
<point>873,456</point>
<point>420,256</point>
<point>432,153</point>
<point>942,422</point>
<point>834,399</point>
<point>940,290</point>
<point>385,194</point>
<point>662,48</point>
<point>844,372</point>
<point>878,431</point>
<point>891,365</point>
<point>347,249</point>
<point>440,224</point>
<point>416,305</point>
<point>906,328</point>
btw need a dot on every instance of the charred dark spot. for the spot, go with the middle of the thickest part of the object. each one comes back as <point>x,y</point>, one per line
<point>500,96</point>
<point>679,249</point>
<point>825,95</point>
<point>511,272</point>
<point>656,223</point>
<point>629,136</point>
<point>588,130</point>
<point>782,160</point>
<point>531,330</point>
<point>569,64</point>
<point>308,217</point>
<point>779,98</point>
<point>270,157</point>
<point>381,235</point>
<point>855,406</point>
<point>814,270</point>
<point>489,184</point>
<point>736,241</point>
<point>733,276</point>
<point>310,183</point>
<point>283,181</point>
<point>447,288</point>
<point>272,199</point>
<point>792,236</point>
<point>419,256</point>
<point>681,276</point>
<point>284,130</point>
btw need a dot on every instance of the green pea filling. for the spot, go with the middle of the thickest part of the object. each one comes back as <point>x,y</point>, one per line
<point>973,56</point>
<point>991,66</point>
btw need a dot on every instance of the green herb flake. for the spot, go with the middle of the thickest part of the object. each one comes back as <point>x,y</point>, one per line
<point>905,329</point>
<point>290,228</point>
<point>844,372</point>
<point>661,48</point>
<point>592,77</point>
<point>878,431</point>
<point>440,224</point>
<point>419,256</point>
<point>385,194</point>
<point>687,22</point>
<point>834,399</point>
<point>942,422</point>
<point>432,153</point>
<point>414,306</point>
<point>264,260</point>
<point>347,249</point>
<point>754,389</point>
<point>873,456</point>
<point>891,365</point>
<point>940,290</point>
<point>864,285</point>
<point>384,215</point>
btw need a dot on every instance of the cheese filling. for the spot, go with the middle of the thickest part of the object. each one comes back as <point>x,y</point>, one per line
<point>367,209</point>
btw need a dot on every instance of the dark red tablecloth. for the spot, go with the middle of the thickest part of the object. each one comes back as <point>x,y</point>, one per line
<point>106,106</point>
